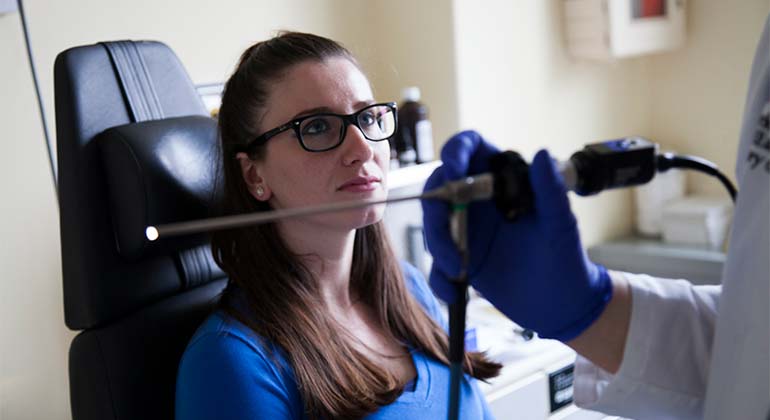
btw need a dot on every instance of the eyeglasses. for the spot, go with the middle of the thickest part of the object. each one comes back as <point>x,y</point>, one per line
<point>325,131</point>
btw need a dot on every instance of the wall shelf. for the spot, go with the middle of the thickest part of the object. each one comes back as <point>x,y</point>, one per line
<point>700,265</point>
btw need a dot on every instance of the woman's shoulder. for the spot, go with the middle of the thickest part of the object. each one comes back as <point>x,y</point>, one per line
<point>221,333</point>
<point>221,324</point>
<point>227,361</point>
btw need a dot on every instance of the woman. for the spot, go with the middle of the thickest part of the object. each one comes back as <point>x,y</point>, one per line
<point>319,319</point>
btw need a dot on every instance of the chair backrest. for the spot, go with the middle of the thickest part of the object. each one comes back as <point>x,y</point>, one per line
<point>135,148</point>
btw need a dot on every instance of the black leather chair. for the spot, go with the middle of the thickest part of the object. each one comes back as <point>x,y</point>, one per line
<point>135,148</point>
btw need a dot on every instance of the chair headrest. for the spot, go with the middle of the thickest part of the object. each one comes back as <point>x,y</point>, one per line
<point>159,172</point>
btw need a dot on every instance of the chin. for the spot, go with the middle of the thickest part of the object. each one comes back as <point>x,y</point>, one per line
<point>374,214</point>
<point>367,216</point>
<point>351,219</point>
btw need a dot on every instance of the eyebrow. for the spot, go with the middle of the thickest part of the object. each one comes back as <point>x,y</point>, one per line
<point>327,110</point>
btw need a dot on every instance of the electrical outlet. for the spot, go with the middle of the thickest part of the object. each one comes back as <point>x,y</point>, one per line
<point>8,6</point>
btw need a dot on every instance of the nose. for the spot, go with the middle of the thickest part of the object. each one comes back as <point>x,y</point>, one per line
<point>356,148</point>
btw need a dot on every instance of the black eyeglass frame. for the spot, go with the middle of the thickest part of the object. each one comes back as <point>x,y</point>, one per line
<point>347,120</point>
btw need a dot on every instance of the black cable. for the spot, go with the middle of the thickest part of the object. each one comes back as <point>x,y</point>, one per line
<point>457,309</point>
<point>457,345</point>
<point>667,161</point>
<point>49,146</point>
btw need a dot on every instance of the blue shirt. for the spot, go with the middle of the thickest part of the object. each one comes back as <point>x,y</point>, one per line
<point>229,372</point>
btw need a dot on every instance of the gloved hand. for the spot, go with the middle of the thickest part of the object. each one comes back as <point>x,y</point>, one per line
<point>534,270</point>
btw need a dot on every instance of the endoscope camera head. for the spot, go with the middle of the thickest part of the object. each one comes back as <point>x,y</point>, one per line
<point>614,164</point>
<point>619,163</point>
<point>599,166</point>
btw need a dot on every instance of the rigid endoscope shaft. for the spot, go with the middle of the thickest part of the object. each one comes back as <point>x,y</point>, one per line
<point>463,191</point>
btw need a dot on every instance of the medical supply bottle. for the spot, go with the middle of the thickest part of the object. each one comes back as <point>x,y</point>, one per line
<point>394,163</point>
<point>414,140</point>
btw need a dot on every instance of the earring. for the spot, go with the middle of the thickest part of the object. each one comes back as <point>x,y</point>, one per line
<point>260,191</point>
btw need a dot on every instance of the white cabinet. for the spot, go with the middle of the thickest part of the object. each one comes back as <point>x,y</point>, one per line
<point>700,265</point>
<point>608,29</point>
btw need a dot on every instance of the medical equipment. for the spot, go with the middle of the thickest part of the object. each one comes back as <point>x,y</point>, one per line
<point>612,164</point>
<point>615,29</point>
<point>620,163</point>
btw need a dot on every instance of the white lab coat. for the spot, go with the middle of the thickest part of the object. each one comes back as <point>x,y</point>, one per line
<point>702,351</point>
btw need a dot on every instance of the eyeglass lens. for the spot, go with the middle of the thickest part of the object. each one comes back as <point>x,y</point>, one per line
<point>324,132</point>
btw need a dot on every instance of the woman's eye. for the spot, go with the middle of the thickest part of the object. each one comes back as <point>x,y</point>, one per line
<point>367,118</point>
<point>315,126</point>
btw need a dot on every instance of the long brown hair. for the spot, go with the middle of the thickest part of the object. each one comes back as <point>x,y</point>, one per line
<point>284,303</point>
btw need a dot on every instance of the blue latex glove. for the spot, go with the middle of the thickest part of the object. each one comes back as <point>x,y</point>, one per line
<point>534,270</point>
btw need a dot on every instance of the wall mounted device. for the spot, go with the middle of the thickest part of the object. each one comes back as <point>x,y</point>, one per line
<point>610,29</point>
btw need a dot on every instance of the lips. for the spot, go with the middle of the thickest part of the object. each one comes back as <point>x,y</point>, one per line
<point>361,184</point>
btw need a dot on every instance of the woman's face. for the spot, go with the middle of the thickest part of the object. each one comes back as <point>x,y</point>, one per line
<point>290,176</point>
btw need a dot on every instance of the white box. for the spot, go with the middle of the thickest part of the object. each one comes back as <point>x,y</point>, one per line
<point>650,199</point>
<point>608,29</point>
<point>697,220</point>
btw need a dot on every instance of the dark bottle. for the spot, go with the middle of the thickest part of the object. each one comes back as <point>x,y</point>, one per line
<point>414,139</point>
<point>394,162</point>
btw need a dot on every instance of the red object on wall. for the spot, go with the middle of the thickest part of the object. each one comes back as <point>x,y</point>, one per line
<point>651,8</point>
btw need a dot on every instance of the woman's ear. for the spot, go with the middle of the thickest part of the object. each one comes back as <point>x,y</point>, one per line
<point>251,176</point>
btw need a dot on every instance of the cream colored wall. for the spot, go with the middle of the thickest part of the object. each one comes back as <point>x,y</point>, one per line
<point>698,92</point>
<point>33,340</point>
<point>408,43</point>
<point>520,89</point>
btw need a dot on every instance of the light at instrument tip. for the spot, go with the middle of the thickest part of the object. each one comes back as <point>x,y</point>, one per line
<point>151,232</point>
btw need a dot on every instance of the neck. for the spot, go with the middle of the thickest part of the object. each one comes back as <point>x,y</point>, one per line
<point>329,257</point>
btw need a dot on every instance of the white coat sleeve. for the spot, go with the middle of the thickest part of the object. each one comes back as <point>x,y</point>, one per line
<point>666,359</point>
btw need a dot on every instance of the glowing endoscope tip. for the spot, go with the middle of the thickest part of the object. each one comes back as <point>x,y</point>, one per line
<point>151,232</point>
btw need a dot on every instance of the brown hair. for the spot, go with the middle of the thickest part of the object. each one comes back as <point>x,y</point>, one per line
<point>284,303</point>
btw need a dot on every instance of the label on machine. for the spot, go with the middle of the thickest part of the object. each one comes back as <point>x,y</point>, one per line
<point>560,387</point>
